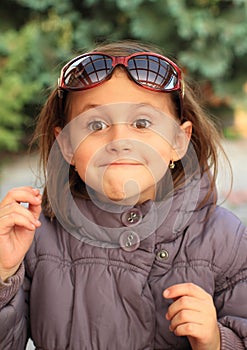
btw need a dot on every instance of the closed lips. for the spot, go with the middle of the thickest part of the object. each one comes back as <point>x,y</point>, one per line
<point>122,162</point>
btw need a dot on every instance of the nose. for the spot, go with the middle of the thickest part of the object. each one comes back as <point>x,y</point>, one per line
<point>118,147</point>
<point>119,143</point>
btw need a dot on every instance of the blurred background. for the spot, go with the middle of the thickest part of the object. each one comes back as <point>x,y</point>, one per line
<point>207,37</point>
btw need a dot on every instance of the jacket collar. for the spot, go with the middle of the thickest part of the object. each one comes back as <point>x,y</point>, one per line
<point>103,224</point>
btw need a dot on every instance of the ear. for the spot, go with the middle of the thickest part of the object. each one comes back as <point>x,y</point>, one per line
<point>64,145</point>
<point>182,139</point>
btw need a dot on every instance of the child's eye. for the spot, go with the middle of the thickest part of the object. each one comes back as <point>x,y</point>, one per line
<point>141,123</point>
<point>97,125</point>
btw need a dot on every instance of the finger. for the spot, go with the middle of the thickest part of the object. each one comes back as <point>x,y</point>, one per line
<point>12,210</point>
<point>28,195</point>
<point>199,336</point>
<point>190,289</point>
<point>35,209</point>
<point>182,304</point>
<point>11,220</point>
<point>21,194</point>
<point>188,329</point>
<point>184,317</point>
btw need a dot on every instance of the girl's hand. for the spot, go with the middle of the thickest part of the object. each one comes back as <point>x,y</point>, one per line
<point>17,227</point>
<point>193,314</point>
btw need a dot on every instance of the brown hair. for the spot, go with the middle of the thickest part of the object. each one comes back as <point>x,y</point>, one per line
<point>205,138</point>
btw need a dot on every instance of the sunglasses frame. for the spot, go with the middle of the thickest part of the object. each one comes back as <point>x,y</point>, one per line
<point>123,61</point>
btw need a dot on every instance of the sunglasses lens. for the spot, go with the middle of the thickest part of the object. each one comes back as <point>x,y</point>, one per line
<point>87,71</point>
<point>153,72</point>
<point>148,70</point>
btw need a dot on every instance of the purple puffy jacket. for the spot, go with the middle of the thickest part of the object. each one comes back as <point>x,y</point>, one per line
<point>95,281</point>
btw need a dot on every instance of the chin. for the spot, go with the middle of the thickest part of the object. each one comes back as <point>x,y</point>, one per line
<point>120,197</point>
<point>115,196</point>
<point>122,192</point>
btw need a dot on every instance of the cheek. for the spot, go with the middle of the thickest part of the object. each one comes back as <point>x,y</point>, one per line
<point>166,155</point>
<point>83,157</point>
<point>162,150</point>
<point>158,157</point>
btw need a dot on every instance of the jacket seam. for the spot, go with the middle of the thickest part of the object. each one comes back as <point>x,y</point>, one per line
<point>89,260</point>
<point>192,263</point>
<point>232,282</point>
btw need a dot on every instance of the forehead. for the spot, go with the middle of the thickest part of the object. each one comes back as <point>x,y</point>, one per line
<point>119,88</point>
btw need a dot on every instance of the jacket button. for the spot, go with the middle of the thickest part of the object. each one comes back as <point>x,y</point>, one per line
<point>129,241</point>
<point>131,217</point>
<point>163,255</point>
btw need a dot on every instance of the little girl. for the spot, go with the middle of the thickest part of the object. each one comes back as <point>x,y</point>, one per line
<point>130,250</point>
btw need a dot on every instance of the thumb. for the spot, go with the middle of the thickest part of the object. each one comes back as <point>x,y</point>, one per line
<point>35,208</point>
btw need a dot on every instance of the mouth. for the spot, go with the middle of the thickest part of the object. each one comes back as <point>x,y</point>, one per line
<point>121,163</point>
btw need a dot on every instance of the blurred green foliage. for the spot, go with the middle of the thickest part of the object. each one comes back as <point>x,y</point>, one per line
<point>208,37</point>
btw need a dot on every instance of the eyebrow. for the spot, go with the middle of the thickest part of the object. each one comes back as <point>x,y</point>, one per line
<point>89,106</point>
<point>144,105</point>
<point>135,106</point>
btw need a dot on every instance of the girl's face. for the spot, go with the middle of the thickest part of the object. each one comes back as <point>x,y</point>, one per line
<point>125,138</point>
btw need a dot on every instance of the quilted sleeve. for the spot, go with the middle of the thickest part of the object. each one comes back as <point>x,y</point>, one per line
<point>14,312</point>
<point>231,297</point>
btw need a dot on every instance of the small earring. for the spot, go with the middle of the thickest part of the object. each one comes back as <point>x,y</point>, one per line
<point>73,164</point>
<point>172,164</point>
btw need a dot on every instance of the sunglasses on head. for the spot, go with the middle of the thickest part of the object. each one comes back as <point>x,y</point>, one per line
<point>149,70</point>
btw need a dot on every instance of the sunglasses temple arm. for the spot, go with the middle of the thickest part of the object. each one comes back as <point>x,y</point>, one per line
<point>61,95</point>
